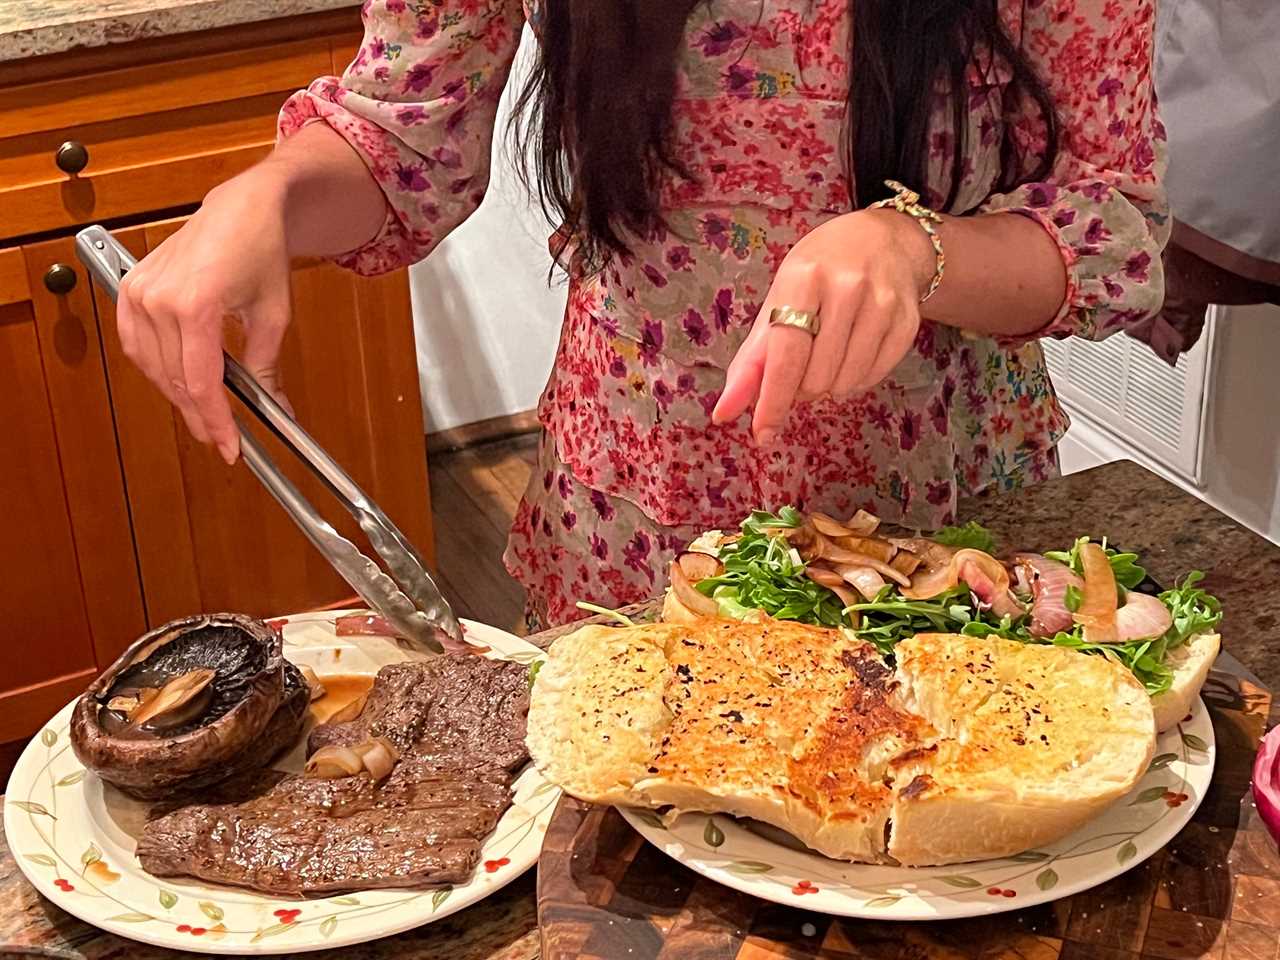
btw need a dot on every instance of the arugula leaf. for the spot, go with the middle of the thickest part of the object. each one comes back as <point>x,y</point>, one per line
<point>1194,611</point>
<point>1127,572</point>
<point>972,535</point>
<point>889,618</point>
<point>1072,597</point>
<point>762,571</point>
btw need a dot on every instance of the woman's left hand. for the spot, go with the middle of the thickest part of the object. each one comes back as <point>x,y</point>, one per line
<point>864,274</point>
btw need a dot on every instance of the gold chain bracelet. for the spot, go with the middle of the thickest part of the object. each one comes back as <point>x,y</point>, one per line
<point>907,201</point>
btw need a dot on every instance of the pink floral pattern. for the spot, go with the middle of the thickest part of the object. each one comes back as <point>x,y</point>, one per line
<point>631,466</point>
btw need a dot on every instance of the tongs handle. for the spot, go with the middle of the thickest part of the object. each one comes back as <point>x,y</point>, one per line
<point>412,602</point>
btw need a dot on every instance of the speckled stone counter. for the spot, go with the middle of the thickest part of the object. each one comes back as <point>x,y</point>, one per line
<point>1173,531</point>
<point>33,28</point>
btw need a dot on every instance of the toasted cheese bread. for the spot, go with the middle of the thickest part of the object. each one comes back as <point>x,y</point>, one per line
<point>1031,741</point>
<point>600,711</point>
<point>1190,663</point>
<point>951,757</point>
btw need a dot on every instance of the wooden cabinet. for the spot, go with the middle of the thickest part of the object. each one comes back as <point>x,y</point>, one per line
<point>208,536</point>
<point>69,592</point>
<point>115,519</point>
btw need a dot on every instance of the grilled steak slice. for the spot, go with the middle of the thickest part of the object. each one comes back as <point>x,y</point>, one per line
<point>459,723</point>
<point>456,712</point>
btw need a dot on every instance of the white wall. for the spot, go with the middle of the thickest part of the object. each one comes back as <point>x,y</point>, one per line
<point>1241,473</point>
<point>485,320</point>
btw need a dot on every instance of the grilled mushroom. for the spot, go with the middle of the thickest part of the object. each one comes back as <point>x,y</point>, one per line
<point>189,705</point>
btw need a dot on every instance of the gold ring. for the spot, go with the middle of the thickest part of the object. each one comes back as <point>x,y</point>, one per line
<point>806,320</point>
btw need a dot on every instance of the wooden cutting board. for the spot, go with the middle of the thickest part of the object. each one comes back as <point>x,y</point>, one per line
<point>1214,892</point>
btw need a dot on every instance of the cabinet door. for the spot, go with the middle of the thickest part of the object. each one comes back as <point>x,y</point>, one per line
<point>209,537</point>
<point>69,590</point>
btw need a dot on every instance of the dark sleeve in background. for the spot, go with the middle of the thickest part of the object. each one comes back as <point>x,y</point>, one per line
<point>1218,78</point>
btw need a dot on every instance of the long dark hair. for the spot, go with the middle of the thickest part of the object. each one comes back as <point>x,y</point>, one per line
<point>594,118</point>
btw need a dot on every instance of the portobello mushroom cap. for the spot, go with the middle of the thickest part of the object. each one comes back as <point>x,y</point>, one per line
<point>226,706</point>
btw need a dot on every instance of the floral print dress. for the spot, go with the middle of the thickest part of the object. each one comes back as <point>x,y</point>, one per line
<point>630,466</point>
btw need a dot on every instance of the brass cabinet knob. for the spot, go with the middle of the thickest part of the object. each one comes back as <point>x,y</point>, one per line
<point>60,279</point>
<point>72,157</point>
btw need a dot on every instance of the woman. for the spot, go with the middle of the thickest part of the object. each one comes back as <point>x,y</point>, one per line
<point>714,165</point>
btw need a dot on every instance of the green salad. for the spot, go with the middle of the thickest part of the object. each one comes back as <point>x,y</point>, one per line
<point>763,569</point>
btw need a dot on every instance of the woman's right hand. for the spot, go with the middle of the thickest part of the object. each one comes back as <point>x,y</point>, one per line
<point>231,260</point>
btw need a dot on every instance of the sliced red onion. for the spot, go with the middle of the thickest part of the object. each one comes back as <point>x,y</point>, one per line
<point>364,625</point>
<point>1142,617</point>
<point>1266,783</point>
<point>983,573</point>
<point>1049,582</point>
<point>375,625</point>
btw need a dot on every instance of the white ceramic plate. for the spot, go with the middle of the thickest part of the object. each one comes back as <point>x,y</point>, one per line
<point>74,837</point>
<point>758,861</point>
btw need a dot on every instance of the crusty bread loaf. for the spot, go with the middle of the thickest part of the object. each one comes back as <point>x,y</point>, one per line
<point>1190,663</point>
<point>598,716</point>
<point>973,748</point>
<point>1031,741</point>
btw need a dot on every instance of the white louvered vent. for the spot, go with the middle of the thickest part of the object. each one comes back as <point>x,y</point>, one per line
<point>1122,387</point>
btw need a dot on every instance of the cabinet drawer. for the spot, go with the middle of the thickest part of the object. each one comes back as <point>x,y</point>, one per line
<point>153,137</point>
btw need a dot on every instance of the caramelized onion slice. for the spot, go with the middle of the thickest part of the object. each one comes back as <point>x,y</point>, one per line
<point>800,536</point>
<point>694,601</point>
<point>847,597</point>
<point>828,578</point>
<point>829,526</point>
<point>699,566</point>
<point>881,550</point>
<point>984,574</point>
<point>351,711</point>
<point>1098,599</point>
<point>329,763</point>
<point>906,563</point>
<point>376,756</point>
<point>168,708</point>
<point>833,582</point>
<point>863,524</point>
<point>839,555</point>
<point>865,580</point>
<point>314,684</point>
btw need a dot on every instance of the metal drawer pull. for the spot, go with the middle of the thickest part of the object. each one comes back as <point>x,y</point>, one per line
<point>60,279</point>
<point>72,157</point>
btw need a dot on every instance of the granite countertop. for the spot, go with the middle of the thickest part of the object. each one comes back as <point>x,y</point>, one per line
<point>33,28</point>
<point>1172,530</point>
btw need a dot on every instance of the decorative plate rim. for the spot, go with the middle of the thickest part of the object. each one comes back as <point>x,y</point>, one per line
<point>75,881</point>
<point>706,844</point>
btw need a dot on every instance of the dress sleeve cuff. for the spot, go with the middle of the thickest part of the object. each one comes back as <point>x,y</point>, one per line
<point>395,245</point>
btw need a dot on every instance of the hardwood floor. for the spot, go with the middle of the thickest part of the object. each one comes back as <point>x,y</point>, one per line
<point>474,493</point>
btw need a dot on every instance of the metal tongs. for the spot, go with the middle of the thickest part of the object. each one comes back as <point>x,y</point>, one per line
<point>408,598</point>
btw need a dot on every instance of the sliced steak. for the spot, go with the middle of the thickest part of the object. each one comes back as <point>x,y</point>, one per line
<point>459,723</point>
<point>466,712</point>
